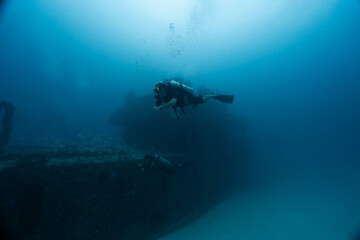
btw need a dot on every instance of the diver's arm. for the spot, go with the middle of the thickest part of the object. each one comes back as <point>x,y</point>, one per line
<point>169,104</point>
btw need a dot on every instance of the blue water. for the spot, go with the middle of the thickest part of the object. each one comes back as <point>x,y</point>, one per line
<point>294,67</point>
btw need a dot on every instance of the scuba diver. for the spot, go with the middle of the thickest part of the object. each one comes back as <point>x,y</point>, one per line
<point>174,94</point>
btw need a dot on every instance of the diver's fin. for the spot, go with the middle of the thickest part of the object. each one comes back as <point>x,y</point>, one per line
<point>225,98</point>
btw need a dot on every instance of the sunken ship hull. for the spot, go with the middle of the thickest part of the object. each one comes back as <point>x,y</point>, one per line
<point>150,184</point>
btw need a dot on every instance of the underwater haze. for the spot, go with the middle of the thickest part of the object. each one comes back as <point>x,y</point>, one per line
<point>293,66</point>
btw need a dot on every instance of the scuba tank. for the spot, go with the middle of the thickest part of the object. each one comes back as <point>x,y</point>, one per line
<point>161,160</point>
<point>174,83</point>
<point>155,160</point>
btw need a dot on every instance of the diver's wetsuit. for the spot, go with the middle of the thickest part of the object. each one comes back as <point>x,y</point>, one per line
<point>183,97</point>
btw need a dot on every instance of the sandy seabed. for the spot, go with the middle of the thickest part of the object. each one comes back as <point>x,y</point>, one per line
<point>282,213</point>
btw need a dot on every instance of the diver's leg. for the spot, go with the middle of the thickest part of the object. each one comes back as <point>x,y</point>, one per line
<point>194,100</point>
<point>201,99</point>
<point>208,96</point>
